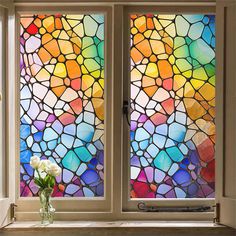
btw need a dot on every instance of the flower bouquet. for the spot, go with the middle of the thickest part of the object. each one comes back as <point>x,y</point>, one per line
<point>45,179</point>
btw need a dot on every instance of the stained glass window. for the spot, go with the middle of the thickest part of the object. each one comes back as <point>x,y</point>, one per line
<point>172,106</point>
<point>62,101</point>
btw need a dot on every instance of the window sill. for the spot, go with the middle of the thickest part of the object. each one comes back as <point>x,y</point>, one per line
<point>29,225</point>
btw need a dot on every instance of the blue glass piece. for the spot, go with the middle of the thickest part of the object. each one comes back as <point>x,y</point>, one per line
<point>38,136</point>
<point>181,177</point>
<point>90,176</point>
<point>24,131</point>
<point>85,132</point>
<point>25,156</point>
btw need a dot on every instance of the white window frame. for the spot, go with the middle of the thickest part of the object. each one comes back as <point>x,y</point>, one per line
<point>131,204</point>
<point>115,205</point>
<point>27,207</point>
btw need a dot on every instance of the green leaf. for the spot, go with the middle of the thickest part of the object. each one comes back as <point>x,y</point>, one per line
<point>52,182</point>
<point>47,180</point>
<point>38,182</point>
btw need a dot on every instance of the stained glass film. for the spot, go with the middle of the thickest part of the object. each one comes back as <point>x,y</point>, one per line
<point>172,133</point>
<point>62,101</point>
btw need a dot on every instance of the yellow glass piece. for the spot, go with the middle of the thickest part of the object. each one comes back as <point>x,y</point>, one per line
<point>140,23</point>
<point>84,70</point>
<point>165,23</point>
<point>155,35</point>
<point>77,17</point>
<point>101,82</point>
<point>179,82</point>
<point>88,92</point>
<point>172,60</point>
<point>77,41</point>
<point>80,59</point>
<point>147,81</point>
<point>79,30</point>
<point>96,74</point>
<point>157,25</point>
<point>135,75</point>
<point>65,46</point>
<point>176,70</point>
<point>87,81</point>
<point>171,30</point>
<point>56,81</point>
<point>42,30</point>
<point>56,33</point>
<point>73,23</point>
<point>134,30</point>
<point>200,74</point>
<point>64,35</point>
<point>212,102</point>
<point>157,46</point>
<point>194,108</point>
<point>60,70</point>
<point>207,126</point>
<point>188,90</point>
<point>97,90</point>
<point>180,93</point>
<point>43,75</point>
<point>196,83</point>
<point>145,61</point>
<point>71,56</point>
<point>148,33</point>
<point>167,17</point>
<point>48,24</point>
<point>162,56</point>
<point>188,74</point>
<point>66,26</point>
<point>152,70</point>
<point>207,91</point>
<point>98,105</point>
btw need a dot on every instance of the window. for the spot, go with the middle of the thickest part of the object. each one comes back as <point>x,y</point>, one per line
<point>169,150</point>
<point>75,66</point>
<point>62,101</point>
<point>63,57</point>
<point>172,130</point>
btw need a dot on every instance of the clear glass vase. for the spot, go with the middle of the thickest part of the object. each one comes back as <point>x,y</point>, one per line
<point>46,211</point>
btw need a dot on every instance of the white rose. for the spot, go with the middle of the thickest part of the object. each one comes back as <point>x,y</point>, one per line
<point>34,162</point>
<point>44,165</point>
<point>54,170</point>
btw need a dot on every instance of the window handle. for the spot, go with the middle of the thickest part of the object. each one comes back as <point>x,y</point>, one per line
<point>143,207</point>
<point>126,107</point>
<point>0,97</point>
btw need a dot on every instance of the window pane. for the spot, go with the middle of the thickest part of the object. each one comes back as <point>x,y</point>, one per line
<point>172,106</point>
<point>62,101</point>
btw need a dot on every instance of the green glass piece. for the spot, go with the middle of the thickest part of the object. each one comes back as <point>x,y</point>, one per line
<point>71,161</point>
<point>162,161</point>
<point>83,154</point>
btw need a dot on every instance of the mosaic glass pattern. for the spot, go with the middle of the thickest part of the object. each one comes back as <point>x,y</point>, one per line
<point>62,101</point>
<point>172,106</point>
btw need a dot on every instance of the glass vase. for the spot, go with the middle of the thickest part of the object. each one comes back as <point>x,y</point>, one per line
<point>46,211</point>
